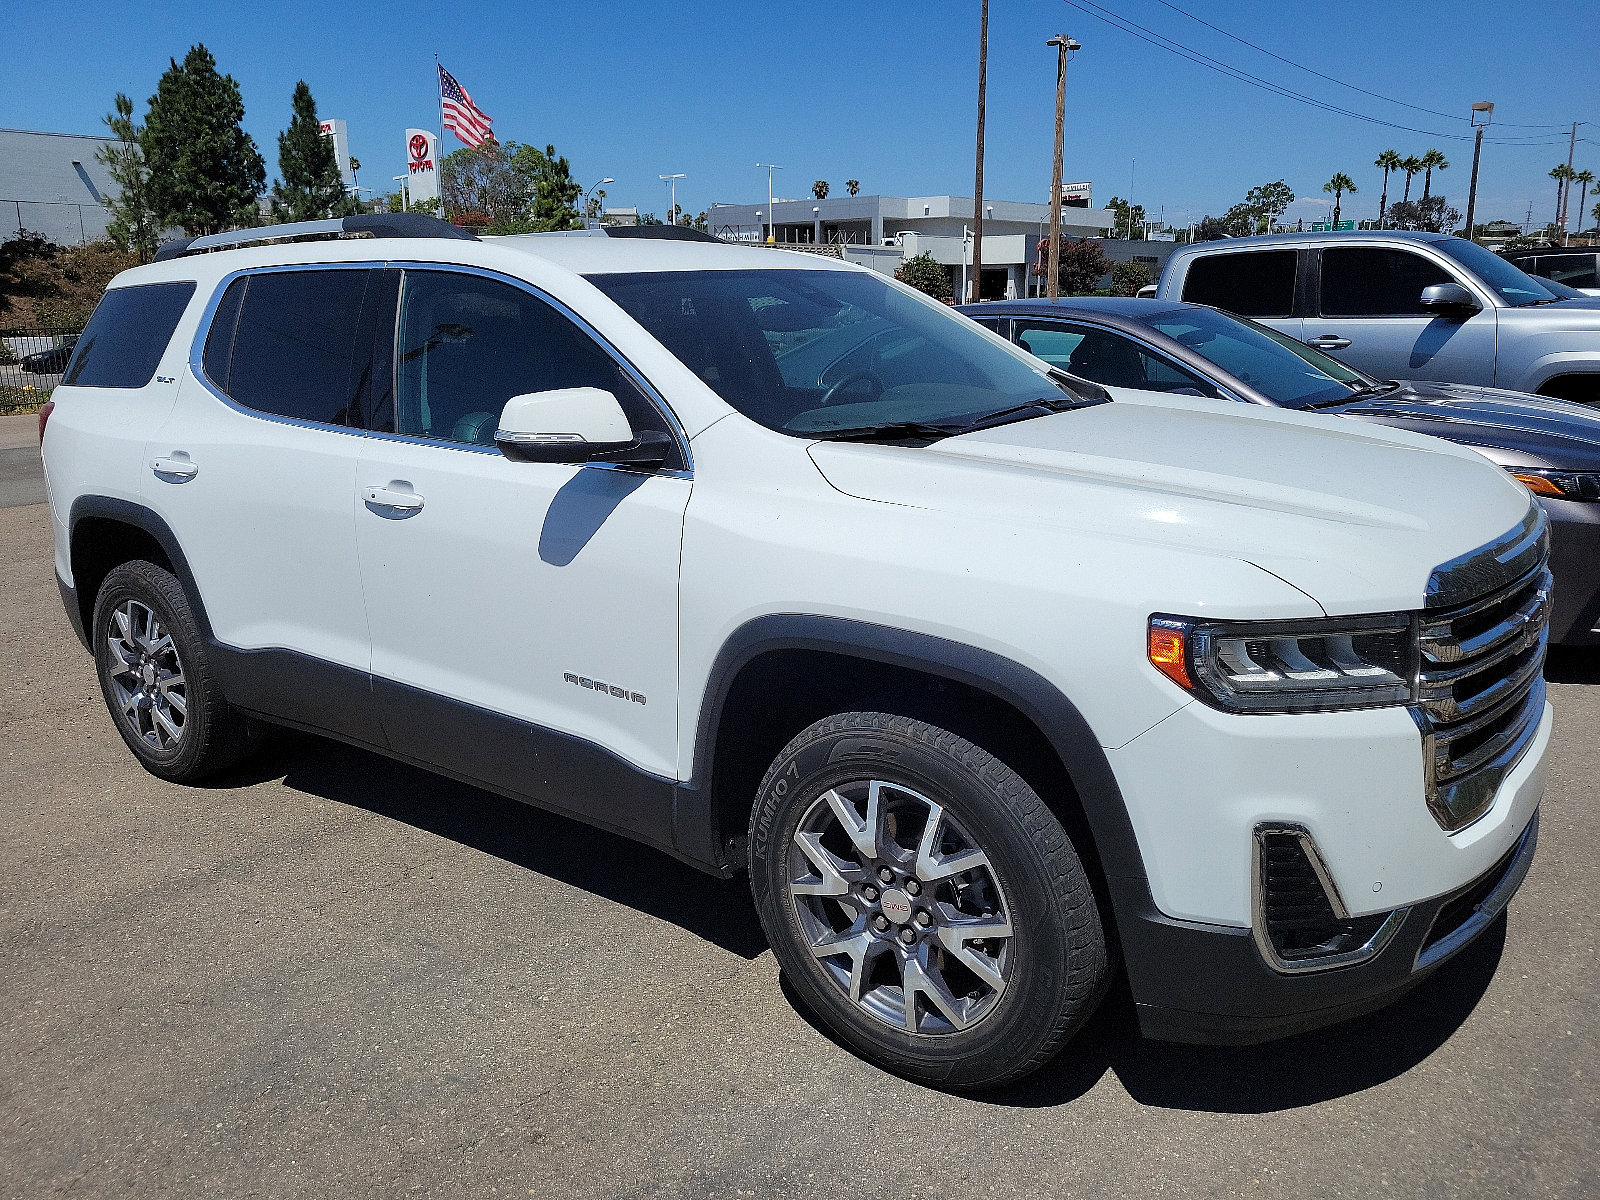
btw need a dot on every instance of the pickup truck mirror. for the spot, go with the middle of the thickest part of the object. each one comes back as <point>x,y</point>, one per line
<point>576,425</point>
<point>1449,300</point>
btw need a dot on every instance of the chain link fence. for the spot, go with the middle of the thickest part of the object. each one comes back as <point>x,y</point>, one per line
<point>32,359</point>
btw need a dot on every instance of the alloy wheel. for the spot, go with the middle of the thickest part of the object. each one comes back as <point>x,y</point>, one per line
<point>146,676</point>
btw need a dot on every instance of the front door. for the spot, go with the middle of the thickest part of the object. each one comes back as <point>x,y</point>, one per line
<point>523,615</point>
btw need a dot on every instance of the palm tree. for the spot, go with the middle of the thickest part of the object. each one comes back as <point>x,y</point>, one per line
<point>1339,185</point>
<point>1389,160</point>
<point>819,189</point>
<point>1585,177</point>
<point>1560,173</point>
<point>852,186</point>
<point>1411,165</point>
<point>1431,161</point>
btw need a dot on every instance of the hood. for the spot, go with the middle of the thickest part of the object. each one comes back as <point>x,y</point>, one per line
<point>1357,517</point>
<point>1513,428</point>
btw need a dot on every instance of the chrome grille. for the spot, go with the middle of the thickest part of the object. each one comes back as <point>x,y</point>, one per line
<point>1481,687</point>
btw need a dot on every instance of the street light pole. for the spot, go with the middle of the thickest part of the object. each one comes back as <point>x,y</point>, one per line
<point>772,227</point>
<point>977,187</point>
<point>405,190</point>
<point>1064,45</point>
<point>672,204</point>
<point>1486,107</point>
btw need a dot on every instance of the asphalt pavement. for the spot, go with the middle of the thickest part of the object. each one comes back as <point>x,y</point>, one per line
<point>329,974</point>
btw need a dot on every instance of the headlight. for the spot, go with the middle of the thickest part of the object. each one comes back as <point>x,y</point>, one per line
<point>1322,665</point>
<point>1559,485</point>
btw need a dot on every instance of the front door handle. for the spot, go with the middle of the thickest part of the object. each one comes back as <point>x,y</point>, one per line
<point>382,497</point>
<point>175,470</point>
<point>1328,341</point>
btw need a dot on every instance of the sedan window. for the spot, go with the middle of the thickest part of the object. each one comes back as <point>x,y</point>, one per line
<point>1274,364</point>
<point>1107,358</point>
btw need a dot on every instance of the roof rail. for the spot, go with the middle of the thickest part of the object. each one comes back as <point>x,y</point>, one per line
<point>378,225</point>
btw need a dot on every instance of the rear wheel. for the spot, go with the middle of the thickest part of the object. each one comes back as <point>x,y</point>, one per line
<point>924,901</point>
<point>156,679</point>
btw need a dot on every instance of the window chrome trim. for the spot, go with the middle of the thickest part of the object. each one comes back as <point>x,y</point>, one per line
<point>220,289</point>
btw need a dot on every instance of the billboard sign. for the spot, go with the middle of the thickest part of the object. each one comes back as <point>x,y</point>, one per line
<point>1077,195</point>
<point>422,165</point>
<point>336,130</point>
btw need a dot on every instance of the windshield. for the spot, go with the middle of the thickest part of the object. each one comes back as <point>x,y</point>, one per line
<point>810,352</point>
<point>1283,370</point>
<point>1512,284</point>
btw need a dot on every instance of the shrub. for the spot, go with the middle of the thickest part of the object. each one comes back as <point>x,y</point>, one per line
<point>926,275</point>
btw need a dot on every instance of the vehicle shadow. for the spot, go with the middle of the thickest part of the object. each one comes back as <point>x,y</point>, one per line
<point>647,880</point>
<point>1573,664</point>
<point>1340,1060</point>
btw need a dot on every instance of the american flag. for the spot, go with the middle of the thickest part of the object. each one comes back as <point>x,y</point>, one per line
<point>461,116</point>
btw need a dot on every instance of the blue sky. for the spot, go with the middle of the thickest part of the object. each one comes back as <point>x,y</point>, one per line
<point>883,92</point>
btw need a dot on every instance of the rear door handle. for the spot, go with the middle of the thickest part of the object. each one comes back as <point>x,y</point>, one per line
<point>1328,341</point>
<point>175,470</point>
<point>383,497</point>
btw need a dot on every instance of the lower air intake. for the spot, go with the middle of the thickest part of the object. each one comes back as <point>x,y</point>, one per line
<point>1301,923</point>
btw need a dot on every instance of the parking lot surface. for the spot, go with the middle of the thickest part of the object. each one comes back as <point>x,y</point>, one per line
<point>330,974</point>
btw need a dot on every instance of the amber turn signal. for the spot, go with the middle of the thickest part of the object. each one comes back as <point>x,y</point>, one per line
<point>1539,485</point>
<point>1169,652</point>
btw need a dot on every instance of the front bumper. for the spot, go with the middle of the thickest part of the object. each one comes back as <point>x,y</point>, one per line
<point>1198,983</point>
<point>1575,564</point>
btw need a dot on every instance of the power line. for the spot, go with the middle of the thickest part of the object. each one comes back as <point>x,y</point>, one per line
<point>1106,16</point>
<point>1335,79</point>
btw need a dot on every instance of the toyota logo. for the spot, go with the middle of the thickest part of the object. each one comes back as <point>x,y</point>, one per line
<point>419,146</point>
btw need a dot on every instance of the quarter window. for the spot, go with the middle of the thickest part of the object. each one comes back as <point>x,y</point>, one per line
<point>1363,281</point>
<point>1258,283</point>
<point>123,343</point>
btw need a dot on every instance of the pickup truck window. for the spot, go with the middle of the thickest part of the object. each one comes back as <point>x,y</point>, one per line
<point>1252,283</point>
<point>1370,281</point>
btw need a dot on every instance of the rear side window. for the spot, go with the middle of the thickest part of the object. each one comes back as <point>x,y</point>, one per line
<point>1372,282</point>
<point>1574,270</point>
<point>127,335</point>
<point>1259,283</point>
<point>290,343</point>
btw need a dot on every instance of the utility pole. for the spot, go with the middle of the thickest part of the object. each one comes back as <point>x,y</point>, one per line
<point>1064,45</point>
<point>1566,185</point>
<point>1486,107</point>
<point>977,187</point>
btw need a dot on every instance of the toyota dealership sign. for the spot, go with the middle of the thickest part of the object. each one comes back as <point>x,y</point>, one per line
<point>422,165</point>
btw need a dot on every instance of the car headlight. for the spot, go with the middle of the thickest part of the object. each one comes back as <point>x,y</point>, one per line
<point>1323,665</point>
<point>1559,485</point>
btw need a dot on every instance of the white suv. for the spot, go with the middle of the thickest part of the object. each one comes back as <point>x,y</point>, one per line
<point>994,685</point>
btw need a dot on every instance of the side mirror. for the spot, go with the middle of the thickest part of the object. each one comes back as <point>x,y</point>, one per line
<point>1449,300</point>
<point>576,425</point>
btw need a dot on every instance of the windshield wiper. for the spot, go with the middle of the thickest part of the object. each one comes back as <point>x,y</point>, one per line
<point>890,431</point>
<point>1048,404</point>
<point>1360,393</point>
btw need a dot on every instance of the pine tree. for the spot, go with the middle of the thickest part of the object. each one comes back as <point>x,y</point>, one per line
<point>134,226</point>
<point>555,193</point>
<point>311,188</point>
<point>205,171</point>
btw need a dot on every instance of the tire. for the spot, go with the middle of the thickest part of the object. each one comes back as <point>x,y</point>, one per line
<point>1009,1001</point>
<point>156,678</point>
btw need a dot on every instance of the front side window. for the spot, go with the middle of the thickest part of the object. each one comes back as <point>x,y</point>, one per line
<point>812,352</point>
<point>1107,358</point>
<point>1370,281</point>
<point>122,345</point>
<point>1283,370</point>
<point>1253,283</point>
<point>467,344</point>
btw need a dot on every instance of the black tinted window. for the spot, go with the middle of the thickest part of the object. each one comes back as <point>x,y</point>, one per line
<point>469,344</point>
<point>1372,282</point>
<point>126,336</point>
<point>219,338</point>
<point>1574,270</point>
<point>1107,358</point>
<point>1257,283</point>
<point>295,350</point>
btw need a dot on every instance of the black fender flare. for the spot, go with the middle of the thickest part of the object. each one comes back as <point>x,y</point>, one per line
<point>1024,689</point>
<point>128,512</point>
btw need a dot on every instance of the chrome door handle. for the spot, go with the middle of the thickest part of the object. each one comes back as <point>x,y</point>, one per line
<point>1328,341</point>
<point>389,498</point>
<point>175,470</point>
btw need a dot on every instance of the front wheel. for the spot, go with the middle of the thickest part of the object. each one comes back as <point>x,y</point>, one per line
<point>923,900</point>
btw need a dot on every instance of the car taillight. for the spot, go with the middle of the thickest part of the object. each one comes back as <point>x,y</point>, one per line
<point>45,409</point>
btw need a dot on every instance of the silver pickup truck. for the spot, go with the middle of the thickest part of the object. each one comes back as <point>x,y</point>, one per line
<point>1403,306</point>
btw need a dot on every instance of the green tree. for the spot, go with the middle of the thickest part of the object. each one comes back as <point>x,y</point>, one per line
<point>1083,264</point>
<point>1411,165</point>
<point>1389,160</point>
<point>1561,173</point>
<point>926,275</point>
<point>1260,207</point>
<point>134,226</point>
<point>1433,215</point>
<point>205,171</point>
<point>819,189</point>
<point>1432,161</point>
<point>852,186</point>
<point>1211,229</point>
<point>1129,218</point>
<point>555,192</point>
<point>1595,213</point>
<point>1339,185</point>
<point>1584,177</point>
<point>311,188</point>
<point>1128,277</point>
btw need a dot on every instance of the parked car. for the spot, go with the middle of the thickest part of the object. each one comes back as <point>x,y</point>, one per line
<point>777,565</point>
<point>1577,268</point>
<point>52,361</point>
<point>1402,306</point>
<point>1552,446</point>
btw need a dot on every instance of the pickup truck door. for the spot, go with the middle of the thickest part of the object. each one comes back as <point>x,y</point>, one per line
<point>1368,314</point>
<point>524,616</point>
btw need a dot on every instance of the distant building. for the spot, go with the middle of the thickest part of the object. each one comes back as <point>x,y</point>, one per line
<point>52,184</point>
<point>882,231</point>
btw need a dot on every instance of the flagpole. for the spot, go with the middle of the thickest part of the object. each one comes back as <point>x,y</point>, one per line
<point>438,95</point>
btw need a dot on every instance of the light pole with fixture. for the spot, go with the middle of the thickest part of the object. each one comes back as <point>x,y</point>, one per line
<point>1486,107</point>
<point>772,216</point>
<point>405,192</point>
<point>588,196</point>
<point>1064,47</point>
<point>672,205</point>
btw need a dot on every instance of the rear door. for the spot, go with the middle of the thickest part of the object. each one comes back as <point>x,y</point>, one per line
<point>1257,283</point>
<point>1369,314</point>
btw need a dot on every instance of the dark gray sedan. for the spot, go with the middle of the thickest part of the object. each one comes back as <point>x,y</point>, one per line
<point>1186,349</point>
